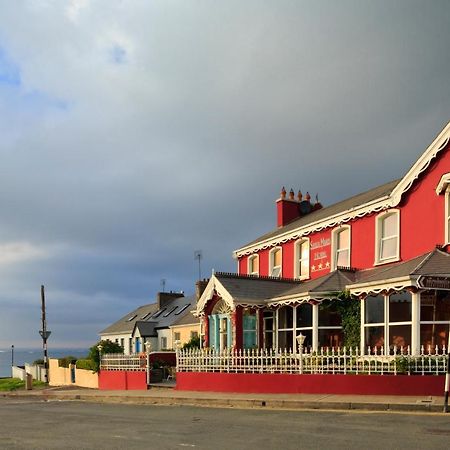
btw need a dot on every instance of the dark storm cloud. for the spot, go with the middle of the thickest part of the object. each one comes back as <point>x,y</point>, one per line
<point>134,133</point>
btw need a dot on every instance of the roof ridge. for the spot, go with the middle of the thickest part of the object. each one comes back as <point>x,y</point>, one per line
<point>256,277</point>
<point>438,249</point>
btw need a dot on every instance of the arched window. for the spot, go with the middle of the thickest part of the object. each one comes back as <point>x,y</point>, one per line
<point>253,265</point>
<point>341,247</point>
<point>301,256</point>
<point>387,237</point>
<point>275,269</point>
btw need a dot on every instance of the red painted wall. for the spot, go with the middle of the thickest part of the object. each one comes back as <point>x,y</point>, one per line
<point>120,380</point>
<point>421,228</point>
<point>311,384</point>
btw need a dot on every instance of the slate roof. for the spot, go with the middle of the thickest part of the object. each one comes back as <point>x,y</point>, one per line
<point>187,319</point>
<point>124,325</point>
<point>253,289</point>
<point>149,319</point>
<point>146,329</point>
<point>329,211</point>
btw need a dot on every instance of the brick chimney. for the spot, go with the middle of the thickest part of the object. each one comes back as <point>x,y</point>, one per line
<point>200,287</point>
<point>289,209</point>
<point>162,298</point>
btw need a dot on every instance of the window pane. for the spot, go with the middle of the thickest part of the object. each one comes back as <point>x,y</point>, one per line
<point>285,341</point>
<point>329,315</point>
<point>374,309</point>
<point>343,239</point>
<point>249,339</point>
<point>434,306</point>
<point>276,255</point>
<point>432,335</point>
<point>304,250</point>
<point>342,258</point>
<point>249,320</point>
<point>400,307</point>
<point>331,338</point>
<point>254,266</point>
<point>268,340</point>
<point>374,336</point>
<point>388,248</point>
<point>276,271</point>
<point>304,316</point>
<point>399,335</point>
<point>285,317</point>
<point>389,226</point>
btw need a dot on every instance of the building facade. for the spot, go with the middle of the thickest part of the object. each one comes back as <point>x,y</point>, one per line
<point>386,249</point>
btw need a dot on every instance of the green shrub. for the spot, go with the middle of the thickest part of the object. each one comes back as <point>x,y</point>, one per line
<point>66,360</point>
<point>86,364</point>
<point>193,343</point>
<point>107,347</point>
<point>38,362</point>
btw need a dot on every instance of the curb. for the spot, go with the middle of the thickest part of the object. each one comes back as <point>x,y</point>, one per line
<point>212,402</point>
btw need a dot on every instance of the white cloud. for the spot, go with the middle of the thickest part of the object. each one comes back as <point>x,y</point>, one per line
<point>17,252</point>
<point>74,9</point>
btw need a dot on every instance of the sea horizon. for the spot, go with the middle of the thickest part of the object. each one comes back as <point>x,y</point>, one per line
<point>24,355</point>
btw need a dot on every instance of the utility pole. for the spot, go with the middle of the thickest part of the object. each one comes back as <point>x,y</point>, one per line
<point>12,360</point>
<point>44,334</point>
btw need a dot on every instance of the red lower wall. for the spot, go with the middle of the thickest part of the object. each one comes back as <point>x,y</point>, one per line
<point>311,384</point>
<point>118,380</point>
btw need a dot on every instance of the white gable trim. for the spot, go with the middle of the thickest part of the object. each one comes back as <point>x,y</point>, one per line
<point>382,203</point>
<point>214,286</point>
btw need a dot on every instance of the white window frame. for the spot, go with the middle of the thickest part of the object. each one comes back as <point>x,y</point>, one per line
<point>298,260</point>
<point>378,237</point>
<point>447,216</point>
<point>271,262</point>
<point>252,258</point>
<point>387,324</point>
<point>334,241</point>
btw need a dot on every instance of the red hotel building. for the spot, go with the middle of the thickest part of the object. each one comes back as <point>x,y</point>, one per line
<point>387,247</point>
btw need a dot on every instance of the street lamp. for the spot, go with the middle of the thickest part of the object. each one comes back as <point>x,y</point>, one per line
<point>301,341</point>
<point>99,348</point>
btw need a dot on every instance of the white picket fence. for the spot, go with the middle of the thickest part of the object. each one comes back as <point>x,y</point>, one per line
<point>117,361</point>
<point>325,361</point>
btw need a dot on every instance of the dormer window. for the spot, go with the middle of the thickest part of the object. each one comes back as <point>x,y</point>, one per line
<point>253,265</point>
<point>341,247</point>
<point>302,259</point>
<point>275,262</point>
<point>387,237</point>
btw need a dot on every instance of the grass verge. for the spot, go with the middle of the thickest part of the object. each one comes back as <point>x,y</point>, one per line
<point>13,384</point>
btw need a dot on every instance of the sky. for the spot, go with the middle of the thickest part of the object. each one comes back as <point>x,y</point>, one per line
<point>133,133</point>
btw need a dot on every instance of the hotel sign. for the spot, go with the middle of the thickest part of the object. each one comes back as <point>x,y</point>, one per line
<point>434,282</point>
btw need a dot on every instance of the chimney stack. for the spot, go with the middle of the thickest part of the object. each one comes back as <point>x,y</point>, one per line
<point>200,287</point>
<point>289,209</point>
<point>162,298</point>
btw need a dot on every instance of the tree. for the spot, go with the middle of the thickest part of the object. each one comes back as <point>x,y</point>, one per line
<point>107,347</point>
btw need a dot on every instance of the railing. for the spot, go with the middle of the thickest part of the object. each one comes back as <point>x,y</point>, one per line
<point>117,361</point>
<point>325,361</point>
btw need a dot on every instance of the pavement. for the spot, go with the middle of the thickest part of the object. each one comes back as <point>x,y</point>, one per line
<point>165,394</point>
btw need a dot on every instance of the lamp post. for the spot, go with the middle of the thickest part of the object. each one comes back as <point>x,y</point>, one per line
<point>447,375</point>
<point>99,348</point>
<point>12,360</point>
<point>300,341</point>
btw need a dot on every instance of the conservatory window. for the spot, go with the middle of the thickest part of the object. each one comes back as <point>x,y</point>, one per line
<point>304,323</point>
<point>330,325</point>
<point>434,319</point>
<point>285,328</point>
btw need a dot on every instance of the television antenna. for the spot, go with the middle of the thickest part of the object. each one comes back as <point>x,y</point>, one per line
<point>163,284</point>
<point>198,255</point>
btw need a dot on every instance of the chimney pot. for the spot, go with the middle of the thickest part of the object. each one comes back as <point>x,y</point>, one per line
<point>291,194</point>
<point>283,193</point>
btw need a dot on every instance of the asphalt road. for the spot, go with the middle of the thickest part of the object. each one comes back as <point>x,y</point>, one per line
<point>66,425</point>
